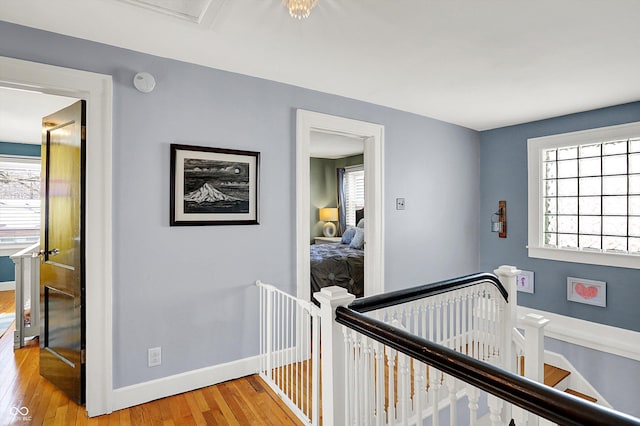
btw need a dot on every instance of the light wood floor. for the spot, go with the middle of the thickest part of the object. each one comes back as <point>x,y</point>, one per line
<point>246,401</point>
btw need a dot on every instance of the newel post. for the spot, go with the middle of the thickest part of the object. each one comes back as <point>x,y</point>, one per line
<point>332,341</point>
<point>508,276</point>
<point>533,326</point>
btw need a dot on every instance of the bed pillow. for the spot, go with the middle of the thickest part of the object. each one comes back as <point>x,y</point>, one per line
<point>360,223</point>
<point>358,240</point>
<point>347,236</point>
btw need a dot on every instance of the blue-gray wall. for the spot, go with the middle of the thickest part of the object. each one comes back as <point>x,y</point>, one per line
<point>504,177</point>
<point>190,289</point>
<point>324,183</point>
<point>7,270</point>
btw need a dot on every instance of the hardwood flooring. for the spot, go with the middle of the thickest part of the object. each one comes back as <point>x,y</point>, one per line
<point>7,301</point>
<point>246,401</point>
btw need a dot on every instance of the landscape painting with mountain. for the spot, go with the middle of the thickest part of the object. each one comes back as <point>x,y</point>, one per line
<point>212,186</point>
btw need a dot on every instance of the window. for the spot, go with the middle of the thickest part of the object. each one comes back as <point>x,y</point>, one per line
<point>353,192</point>
<point>584,196</point>
<point>19,199</point>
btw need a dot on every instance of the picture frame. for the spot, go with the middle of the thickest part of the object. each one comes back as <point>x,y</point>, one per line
<point>213,186</point>
<point>586,291</point>
<point>525,282</point>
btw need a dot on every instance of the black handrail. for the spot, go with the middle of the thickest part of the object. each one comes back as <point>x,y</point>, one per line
<point>393,298</point>
<point>556,406</point>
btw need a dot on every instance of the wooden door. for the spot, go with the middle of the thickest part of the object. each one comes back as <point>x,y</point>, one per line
<point>62,291</point>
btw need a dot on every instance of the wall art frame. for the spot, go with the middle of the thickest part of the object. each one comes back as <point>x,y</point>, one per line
<point>213,186</point>
<point>586,291</point>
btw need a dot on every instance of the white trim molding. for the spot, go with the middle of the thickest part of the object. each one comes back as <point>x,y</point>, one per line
<point>535,147</point>
<point>604,338</point>
<point>7,285</point>
<point>373,137</point>
<point>140,393</point>
<point>97,90</point>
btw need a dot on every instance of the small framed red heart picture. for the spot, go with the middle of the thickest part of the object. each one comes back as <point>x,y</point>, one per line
<point>587,291</point>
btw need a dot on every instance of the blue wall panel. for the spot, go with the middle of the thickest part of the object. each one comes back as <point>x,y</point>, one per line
<point>504,177</point>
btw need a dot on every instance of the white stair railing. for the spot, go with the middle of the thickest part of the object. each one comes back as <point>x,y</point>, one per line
<point>290,351</point>
<point>27,270</point>
<point>446,353</point>
<point>387,387</point>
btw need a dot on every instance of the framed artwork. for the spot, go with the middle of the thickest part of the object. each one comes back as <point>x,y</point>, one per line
<point>525,282</point>
<point>213,186</point>
<point>587,291</point>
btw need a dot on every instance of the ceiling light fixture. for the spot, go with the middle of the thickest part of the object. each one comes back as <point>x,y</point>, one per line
<point>300,8</point>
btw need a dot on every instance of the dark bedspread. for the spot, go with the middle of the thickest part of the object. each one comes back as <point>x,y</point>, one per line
<point>337,264</point>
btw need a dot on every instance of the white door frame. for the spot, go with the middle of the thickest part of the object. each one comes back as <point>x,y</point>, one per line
<point>97,90</point>
<point>373,136</point>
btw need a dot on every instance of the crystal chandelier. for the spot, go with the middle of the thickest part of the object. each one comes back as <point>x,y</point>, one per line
<point>300,8</point>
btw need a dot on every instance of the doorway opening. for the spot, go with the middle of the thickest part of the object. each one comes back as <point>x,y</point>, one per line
<point>308,126</point>
<point>96,89</point>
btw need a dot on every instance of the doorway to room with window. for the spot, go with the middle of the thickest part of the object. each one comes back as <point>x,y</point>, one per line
<point>97,90</point>
<point>42,199</point>
<point>309,126</point>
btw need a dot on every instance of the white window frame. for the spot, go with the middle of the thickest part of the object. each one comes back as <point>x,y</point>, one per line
<point>535,148</point>
<point>347,170</point>
<point>7,248</point>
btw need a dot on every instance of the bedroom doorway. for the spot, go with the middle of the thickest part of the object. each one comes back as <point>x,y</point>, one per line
<point>310,125</point>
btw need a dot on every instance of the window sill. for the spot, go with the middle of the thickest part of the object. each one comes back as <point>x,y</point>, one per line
<point>589,257</point>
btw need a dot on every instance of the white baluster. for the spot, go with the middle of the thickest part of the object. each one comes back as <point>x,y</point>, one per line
<point>315,370</point>
<point>391,397</point>
<point>473,394</point>
<point>451,386</point>
<point>459,309</point>
<point>465,326</point>
<point>495,408</point>
<point>349,382</point>
<point>367,376</point>
<point>444,340</point>
<point>419,389</point>
<point>403,388</point>
<point>435,378</point>
<point>380,394</point>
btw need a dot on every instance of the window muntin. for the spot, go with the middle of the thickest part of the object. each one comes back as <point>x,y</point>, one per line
<point>588,199</point>
<point>19,199</point>
<point>584,196</point>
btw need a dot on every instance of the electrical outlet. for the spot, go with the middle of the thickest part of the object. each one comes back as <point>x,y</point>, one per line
<point>154,356</point>
<point>399,203</point>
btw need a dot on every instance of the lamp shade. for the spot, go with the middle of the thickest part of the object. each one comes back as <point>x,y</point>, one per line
<point>329,214</point>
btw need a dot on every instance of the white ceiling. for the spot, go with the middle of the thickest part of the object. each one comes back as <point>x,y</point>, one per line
<point>21,114</point>
<point>331,145</point>
<point>481,64</point>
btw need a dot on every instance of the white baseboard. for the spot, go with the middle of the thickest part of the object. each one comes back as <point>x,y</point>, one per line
<point>7,285</point>
<point>172,385</point>
<point>605,338</point>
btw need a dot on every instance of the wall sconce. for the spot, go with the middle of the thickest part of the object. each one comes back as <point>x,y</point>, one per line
<point>329,215</point>
<point>499,220</point>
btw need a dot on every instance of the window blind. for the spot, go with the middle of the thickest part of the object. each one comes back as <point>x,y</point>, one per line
<point>19,199</point>
<point>354,192</point>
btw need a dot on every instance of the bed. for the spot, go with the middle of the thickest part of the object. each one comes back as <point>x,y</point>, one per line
<point>337,264</point>
<point>340,264</point>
